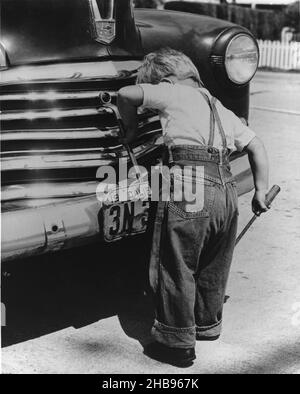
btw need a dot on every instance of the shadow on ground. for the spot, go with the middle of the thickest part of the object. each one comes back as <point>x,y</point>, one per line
<point>72,288</point>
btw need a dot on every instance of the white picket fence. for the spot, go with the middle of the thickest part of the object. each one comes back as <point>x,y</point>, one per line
<point>276,54</point>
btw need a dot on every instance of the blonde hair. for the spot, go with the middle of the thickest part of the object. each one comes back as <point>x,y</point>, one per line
<point>164,63</point>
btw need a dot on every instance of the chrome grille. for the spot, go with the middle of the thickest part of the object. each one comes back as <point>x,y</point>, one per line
<point>53,133</point>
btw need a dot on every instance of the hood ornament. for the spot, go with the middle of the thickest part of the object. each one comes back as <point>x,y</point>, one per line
<point>103,21</point>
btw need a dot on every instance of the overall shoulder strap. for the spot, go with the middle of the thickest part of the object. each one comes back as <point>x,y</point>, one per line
<point>219,123</point>
<point>214,117</point>
<point>212,123</point>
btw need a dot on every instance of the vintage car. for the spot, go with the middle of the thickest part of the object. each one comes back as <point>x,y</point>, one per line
<point>57,58</point>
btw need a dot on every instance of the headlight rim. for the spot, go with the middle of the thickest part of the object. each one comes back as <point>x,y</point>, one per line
<point>241,34</point>
<point>219,49</point>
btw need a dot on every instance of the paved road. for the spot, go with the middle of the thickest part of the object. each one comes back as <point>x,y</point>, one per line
<point>262,318</point>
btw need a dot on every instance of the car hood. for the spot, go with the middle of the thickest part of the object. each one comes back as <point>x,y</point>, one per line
<point>53,31</point>
<point>35,31</point>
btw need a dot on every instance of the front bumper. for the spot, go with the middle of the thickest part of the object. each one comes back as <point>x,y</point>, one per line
<point>62,225</point>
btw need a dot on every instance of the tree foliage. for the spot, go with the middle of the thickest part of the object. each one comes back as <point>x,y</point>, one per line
<point>264,24</point>
<point>292,15</point>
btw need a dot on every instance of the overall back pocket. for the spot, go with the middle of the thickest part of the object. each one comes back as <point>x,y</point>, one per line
<point>191,197</point>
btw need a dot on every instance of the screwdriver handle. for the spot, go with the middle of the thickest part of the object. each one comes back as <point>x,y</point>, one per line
<point>272,193</point>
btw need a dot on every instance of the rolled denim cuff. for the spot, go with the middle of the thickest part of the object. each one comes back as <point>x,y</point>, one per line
<point>173,336</point>
<point>209,331</point>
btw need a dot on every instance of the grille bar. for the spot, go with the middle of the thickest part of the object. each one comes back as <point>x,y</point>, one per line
<point>52,95</point>
<point>70,133</point>
<point>54,134</point>
<point>52,114</point>
<point>70,159</point>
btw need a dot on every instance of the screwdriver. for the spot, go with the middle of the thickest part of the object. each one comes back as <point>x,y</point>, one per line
<point>272,193</point>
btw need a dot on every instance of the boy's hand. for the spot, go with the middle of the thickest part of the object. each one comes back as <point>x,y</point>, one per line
<point>129,99</point>
<point>259,202</point>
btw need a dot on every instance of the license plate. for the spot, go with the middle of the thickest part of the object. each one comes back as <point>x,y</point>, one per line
<point>125,219</point>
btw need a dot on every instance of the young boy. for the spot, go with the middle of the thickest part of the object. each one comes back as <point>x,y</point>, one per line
<point>192,245</point>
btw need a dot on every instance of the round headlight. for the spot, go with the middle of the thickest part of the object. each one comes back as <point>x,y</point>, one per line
<point>241,59</point>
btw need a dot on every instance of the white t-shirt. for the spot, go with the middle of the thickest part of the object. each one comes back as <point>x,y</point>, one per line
<point>185,117</point>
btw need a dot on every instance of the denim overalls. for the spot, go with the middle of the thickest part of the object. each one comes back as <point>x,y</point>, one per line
<point>192,249</point>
